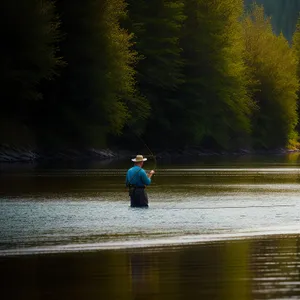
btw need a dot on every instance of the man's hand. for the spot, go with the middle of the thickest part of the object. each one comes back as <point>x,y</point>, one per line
<point>151,173</point>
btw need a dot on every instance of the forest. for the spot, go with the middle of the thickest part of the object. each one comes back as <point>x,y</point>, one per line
<point>221,75</point>
<point>284,14</point>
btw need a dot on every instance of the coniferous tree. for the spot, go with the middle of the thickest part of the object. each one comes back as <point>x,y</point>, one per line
<point>98,85</point>
<point>296,47</point>
<point>214,100</point>
<point>273,64</point>
<point>283,13</point>
<point>296,44</point>
<point>157,26</point>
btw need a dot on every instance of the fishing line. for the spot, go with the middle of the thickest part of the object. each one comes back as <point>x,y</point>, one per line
<point>144,143</point>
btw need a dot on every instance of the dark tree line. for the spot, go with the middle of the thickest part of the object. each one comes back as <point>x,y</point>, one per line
<point>178,73</point>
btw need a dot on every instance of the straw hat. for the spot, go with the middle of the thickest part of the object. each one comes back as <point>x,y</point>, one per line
<point>139,158</point>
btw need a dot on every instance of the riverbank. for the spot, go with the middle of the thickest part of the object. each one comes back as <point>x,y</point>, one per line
<point>13,154</point>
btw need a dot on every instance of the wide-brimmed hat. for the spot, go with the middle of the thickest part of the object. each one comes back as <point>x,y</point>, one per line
<point>139,158</point>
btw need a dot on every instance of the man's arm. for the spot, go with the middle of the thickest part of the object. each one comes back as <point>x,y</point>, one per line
<point>146,178</point>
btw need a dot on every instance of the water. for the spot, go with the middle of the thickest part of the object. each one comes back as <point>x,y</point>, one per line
<point>68,209</point>
<point>260,268</point>
<point>216,228</point>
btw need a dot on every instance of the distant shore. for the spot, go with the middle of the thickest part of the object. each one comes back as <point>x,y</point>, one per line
<point>12,154</point>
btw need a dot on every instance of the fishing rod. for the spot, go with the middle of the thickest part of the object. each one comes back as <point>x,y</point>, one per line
<point>144,143</point>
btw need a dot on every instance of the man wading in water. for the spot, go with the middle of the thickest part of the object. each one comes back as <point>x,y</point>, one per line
<point>136,180</point>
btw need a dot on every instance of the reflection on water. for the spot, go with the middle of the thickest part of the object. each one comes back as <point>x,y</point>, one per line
<point>78,208</point>
<point>266,268</point>
<point>198,240</point>
<point>144,275</point>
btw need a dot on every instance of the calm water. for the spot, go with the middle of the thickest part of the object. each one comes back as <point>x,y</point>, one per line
<point>265,268</point>
<point>217,228</point>
<point>87,207</point>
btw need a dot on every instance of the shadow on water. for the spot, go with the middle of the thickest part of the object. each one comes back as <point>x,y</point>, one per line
<point>266,268</point>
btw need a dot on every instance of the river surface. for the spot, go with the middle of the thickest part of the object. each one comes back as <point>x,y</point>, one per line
<point>212,225</point>
<point>256,268</point>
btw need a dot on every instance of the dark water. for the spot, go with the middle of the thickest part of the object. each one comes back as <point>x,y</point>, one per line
<point>265,268</point>
<point>217,228</point>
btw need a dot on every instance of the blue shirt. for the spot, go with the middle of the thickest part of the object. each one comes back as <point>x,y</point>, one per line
<point>137,176</point>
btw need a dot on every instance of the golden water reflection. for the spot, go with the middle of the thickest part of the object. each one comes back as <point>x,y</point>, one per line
<point>262,268</point>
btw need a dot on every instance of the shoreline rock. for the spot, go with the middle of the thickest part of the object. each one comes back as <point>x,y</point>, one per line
<point>13,154</point>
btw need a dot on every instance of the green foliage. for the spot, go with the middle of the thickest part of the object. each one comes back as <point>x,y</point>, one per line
<point>273,65</point>
<point>98,84</point>
<point>28,53</point>
<point>283,13</point>
<point>296,47</point>
<point>157,26</point>
<point>214,99</point>
<point>177,73</point>
<point>296,43</point>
